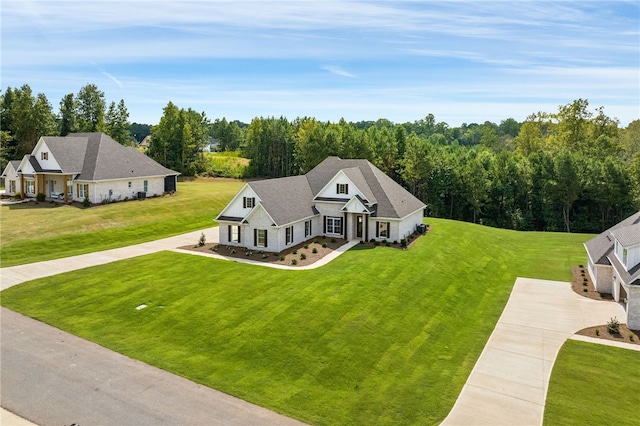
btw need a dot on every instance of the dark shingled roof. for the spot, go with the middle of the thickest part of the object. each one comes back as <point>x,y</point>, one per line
<point>95,156</point>
<point>286,199</point>
<point>601,247</point>
<point>291,199</point>
<point>393,201</point>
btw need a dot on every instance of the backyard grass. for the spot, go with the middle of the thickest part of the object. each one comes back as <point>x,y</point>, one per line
<point>35,232</point>
<point>593,384</point>
<point>378,336</point>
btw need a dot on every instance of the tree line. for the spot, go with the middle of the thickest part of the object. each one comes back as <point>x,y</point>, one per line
<point>574,169</point>
<point>25,117</point>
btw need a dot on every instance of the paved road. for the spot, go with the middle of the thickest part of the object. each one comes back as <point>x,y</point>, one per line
<point>508,385</point>
<point>51,377</point>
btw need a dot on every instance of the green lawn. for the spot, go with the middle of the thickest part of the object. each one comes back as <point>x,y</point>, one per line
<point>378,336</point>
<point>33,233</point>
<point>593,384</point>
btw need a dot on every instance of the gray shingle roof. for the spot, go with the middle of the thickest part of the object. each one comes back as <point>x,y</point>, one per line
<point>286,199</point>
<point>95,156</point>
<point>393,201</point>
<point>290,199</point>
<point>627,235</point>
<point>601,246</point>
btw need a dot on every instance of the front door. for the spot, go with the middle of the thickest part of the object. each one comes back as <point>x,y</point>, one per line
<point>52,189</point>
<point>359,221</point>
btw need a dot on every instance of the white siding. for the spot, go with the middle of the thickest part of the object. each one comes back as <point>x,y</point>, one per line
<point>409,224</point>
<point>633,307</point>
<point>99,191</point>
<point>259,219</point>
<point>234,208</point>
<point>329,191</point>
<point>11,176</point>
<point>50,163</point>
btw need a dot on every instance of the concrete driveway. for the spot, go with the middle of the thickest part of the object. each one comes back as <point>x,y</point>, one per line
<point>18,274</point>
<point>508,385</point>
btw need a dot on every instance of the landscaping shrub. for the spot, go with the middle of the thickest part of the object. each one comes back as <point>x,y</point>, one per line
<point>40,197</point>
<point>85,202</point>
<point>281,257</point>
<point>597,331</point>
<point>294,251</point>
<point>613,326</point>
<point>303,256</point>
<point>294,261</point>
<point>333,240</point>
<point>403,243</point>
<point>202,241</point>
<point>17,196</point>
<point>314,251</point>
<point>306,246</point>
<point>324,245</point>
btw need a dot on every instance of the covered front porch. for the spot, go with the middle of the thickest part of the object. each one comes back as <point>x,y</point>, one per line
<point>54,187</point>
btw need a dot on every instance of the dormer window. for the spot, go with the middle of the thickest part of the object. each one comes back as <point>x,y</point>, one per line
<point>248,202</point>
<point>44,155</point>
<point>342,188</point>
<point>624,257</point>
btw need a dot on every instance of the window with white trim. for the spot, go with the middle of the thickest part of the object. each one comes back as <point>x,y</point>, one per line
<point>12,186</point>
<point>261,237</point>
<point>234,234</point>
<point>307,228</point>
<point>31,187</point>
<point>334,225</point>
<point>145,185</point>
<point>248,202</point>
<point>342,188</point>
<point>383,229</point>
<point>288,235</point>
<point>83,190</point>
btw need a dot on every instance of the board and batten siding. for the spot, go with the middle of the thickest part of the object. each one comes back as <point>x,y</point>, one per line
<point>237,207</point>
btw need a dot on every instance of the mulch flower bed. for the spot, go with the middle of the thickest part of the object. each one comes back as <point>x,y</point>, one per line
<point>583,285</point>
<point>299,255</point>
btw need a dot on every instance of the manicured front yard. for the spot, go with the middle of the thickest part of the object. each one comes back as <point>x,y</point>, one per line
<point>378,336</point>
<point>593,384</point>
<point>33,233</point>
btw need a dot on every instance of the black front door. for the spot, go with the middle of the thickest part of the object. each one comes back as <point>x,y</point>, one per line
<point>359,226</point>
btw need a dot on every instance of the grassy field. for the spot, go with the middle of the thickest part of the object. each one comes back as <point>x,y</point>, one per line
<point>378,336</point>
<point>227,164</point>
<point>593,384</point>
<point>33,233</point>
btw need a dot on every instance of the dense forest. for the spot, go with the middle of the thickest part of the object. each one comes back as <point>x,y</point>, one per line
<point>573,170</point>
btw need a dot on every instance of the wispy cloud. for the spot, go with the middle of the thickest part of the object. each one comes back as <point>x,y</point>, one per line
<point>338,71</point>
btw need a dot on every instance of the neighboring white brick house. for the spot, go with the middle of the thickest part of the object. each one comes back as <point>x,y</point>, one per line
<point>349,199</point>
<point>89,166</point>
<point>614,265</point>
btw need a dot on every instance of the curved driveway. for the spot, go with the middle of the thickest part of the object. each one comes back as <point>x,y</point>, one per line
<point>508,385</point>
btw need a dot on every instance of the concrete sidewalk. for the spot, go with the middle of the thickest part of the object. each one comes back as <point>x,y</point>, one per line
<point>18,274</point>
<point>509,382</point>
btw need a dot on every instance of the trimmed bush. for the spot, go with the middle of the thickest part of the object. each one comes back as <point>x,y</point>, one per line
<point>294,261</point>
<point>613,326</point>
<point>315,250</point>
<point>294,251</point>
<point>324,245</point>
<point>303,256</point>
<point>85,202</point>
<point>40,197</point>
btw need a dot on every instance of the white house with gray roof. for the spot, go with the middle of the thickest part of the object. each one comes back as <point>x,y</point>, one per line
<point>350,199</point>
<point>89,166</point>
<point>614,265</point>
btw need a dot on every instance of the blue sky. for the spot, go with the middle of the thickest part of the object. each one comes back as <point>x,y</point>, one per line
<point>461,61</point>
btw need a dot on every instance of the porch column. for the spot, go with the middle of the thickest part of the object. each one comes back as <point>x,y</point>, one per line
<point>22,188</point>
<point>64,188</point>
<point>345,226</point>
<point>366,228</point>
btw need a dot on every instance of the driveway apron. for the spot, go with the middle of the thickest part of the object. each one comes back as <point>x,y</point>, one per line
<point>508,385</point>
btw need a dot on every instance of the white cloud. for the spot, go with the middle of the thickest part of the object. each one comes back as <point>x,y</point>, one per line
<point>338,71</point>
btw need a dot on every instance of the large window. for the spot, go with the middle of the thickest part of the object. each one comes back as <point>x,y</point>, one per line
<point>145,185</point>
<point>248,202</point>
<point>83,190</point>
<point>12,186</point>
<point>234,234</point>
<point>289,235</point>
<point>334,225</point>
<point>261,237</point>
<point>31,187</point>
<point>383,230</point>
<point>342,188</point>
<point>307,228</point>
